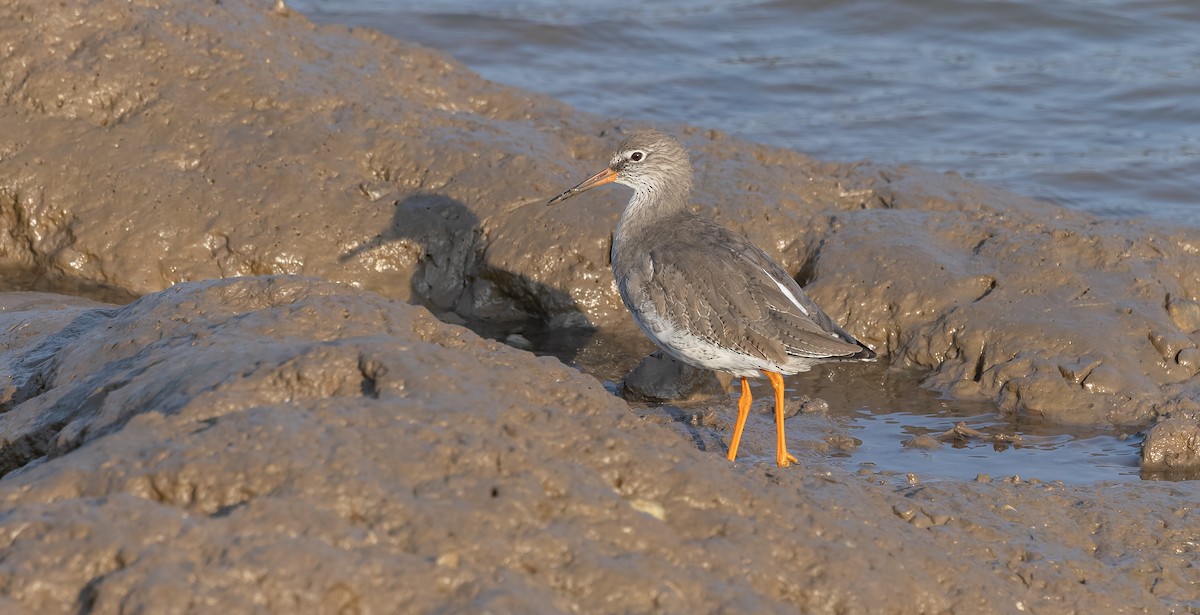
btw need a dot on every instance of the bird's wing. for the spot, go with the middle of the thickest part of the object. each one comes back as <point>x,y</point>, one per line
<point>740,297</point>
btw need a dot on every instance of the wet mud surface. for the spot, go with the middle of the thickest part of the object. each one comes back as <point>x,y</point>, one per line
<point>250,400</point>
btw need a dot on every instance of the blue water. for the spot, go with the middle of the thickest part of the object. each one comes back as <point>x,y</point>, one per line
<point>1079,455</point>
<point>886,409</point>
<point>1094,105</point>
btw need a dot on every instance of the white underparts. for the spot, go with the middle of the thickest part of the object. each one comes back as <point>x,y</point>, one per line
<point>696,351</point>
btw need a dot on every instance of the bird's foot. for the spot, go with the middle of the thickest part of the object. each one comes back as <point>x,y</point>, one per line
<point>786,459</point>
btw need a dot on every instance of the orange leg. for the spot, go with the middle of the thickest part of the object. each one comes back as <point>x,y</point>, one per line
<point>782,457</point>
<point>743,412</point>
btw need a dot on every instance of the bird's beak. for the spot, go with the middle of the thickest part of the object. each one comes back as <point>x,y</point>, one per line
<point>607,176</point>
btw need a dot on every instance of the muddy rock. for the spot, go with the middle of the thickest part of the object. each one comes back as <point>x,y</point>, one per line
<point>1067,300</point>
<point>923,441</point>
<point>1185,313</point>
<point>206,140</point>
<point>303,446</point>
<point>660,378</point>
<point>1172,446</point>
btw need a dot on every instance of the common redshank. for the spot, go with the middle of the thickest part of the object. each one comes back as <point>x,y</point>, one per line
<point>704,294</point>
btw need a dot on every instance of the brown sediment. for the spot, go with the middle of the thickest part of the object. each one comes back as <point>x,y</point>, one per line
<point>304,445</point>
<point>1172,446</point>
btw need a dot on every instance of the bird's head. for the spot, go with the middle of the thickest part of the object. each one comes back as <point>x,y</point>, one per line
<point>646,161</point>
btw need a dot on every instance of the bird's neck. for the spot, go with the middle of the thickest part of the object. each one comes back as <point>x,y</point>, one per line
<point>648,206</point>
<point>647,219</point>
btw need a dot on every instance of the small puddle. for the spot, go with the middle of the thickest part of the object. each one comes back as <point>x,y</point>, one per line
<point>1048,453</point>
<point>888,412</point>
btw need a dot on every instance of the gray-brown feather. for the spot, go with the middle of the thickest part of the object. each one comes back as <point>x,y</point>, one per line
<point>705,294</point>
<point>712,283</point>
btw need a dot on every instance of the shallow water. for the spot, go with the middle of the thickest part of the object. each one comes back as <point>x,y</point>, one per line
<point>1089,104</point>
<point>1049,453</point>
<point>887,408</point>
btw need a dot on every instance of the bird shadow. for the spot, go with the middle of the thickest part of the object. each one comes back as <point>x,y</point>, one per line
<point>455,281</point>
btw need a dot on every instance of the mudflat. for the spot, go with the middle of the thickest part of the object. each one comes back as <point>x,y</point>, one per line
<point>254,397</point>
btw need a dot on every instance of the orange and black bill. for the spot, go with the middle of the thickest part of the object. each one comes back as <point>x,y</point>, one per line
<point>607,176</point>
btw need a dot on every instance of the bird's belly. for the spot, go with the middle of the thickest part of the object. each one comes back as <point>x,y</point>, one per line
<point>702,353</point>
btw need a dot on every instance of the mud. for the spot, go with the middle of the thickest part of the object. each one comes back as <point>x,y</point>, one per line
<point>305,446</point>
<point>1172,446</point>
<point>301,446</point>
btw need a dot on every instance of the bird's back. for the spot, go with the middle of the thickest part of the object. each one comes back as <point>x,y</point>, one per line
<point>711,298</point>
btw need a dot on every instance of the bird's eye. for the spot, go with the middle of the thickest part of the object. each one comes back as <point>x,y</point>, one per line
<point>636,156</point>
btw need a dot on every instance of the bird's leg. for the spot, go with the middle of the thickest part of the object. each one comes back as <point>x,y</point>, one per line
<point>743,412</point>
<point>782,457</point>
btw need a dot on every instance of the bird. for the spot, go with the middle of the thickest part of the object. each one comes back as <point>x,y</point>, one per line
<point>707,296</point>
